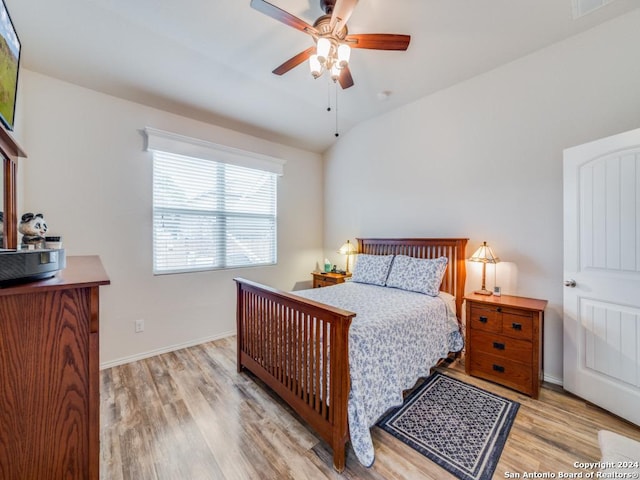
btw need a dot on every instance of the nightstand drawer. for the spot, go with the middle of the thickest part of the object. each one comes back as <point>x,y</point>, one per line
<point>326,281</point>
<point>517,324</point>
<point>486,319</point>
<point>508,373</point>
<point>501,346</point>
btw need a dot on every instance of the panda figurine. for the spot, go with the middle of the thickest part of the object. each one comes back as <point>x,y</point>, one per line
<point>33,228</point>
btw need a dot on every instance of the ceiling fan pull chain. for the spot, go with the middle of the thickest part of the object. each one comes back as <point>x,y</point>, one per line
<point>328,97</point>
<point>336,87</point>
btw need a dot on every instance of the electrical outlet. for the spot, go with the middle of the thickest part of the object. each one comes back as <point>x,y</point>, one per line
<point>139,325</point>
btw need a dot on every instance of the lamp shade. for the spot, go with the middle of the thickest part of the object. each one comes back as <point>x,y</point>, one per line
<point>484,254</point>
<point>335,72</point>
<point>323,48</point>
<point>314,66</point>
<point>347,248</point>
<point>344,52</point>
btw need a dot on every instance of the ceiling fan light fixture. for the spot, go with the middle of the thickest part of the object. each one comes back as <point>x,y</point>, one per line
<point>323,49</point>
<point>335,72</point>
<point>314,66</point>
<point>344,53</point>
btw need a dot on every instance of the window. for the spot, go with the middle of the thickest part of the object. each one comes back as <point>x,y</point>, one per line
<point>210,214</point>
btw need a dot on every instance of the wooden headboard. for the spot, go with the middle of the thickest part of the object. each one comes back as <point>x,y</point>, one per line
<point>452,248</point>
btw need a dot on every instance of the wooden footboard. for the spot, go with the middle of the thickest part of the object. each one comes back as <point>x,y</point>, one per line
<point>288,342</point>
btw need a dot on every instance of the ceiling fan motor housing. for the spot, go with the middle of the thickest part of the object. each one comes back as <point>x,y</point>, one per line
<point>323,26</point>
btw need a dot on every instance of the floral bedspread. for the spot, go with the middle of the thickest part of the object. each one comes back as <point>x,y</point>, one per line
<point>396,337</point>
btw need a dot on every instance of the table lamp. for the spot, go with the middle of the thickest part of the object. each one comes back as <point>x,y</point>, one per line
<point>347,249</point>
<point>484,255</point>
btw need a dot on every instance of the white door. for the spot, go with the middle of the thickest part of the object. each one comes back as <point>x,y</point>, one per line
<point>602,257</point>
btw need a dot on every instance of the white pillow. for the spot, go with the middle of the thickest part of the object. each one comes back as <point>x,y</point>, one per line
<point>372,269</point>
<point>422,275</point>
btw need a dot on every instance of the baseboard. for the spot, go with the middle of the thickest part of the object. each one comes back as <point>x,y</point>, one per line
<point>551,379</point>
<point>160,351</point>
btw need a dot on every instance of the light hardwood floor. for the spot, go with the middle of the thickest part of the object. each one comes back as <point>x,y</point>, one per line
<point>189,415</point>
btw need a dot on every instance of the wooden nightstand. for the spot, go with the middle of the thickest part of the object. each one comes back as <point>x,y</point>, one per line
<point>327,279</point>
<point>504,340</point>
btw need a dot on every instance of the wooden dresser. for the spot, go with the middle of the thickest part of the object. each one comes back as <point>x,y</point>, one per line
<point>504,340</point>
<point>327,279</point>
<point>49,375</point>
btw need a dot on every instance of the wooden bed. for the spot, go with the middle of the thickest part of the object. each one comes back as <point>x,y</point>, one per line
<point>280,339</point>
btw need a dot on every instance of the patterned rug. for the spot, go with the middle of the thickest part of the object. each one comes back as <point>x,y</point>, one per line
<point>460,427</point>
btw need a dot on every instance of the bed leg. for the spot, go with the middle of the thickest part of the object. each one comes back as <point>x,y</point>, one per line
<point>239,365</point>
<point>339,457</point>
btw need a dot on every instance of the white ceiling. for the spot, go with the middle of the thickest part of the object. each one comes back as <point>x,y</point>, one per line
<point>212,59</point>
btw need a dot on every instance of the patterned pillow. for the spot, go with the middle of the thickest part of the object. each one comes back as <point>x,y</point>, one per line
<point>423,275</point>
<point>372,269</point>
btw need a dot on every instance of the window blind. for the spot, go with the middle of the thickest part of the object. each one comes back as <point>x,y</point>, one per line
<point>211,215</point>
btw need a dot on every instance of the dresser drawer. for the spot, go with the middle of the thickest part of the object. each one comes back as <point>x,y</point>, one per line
<point>502,346</point>
<point>485,319</point>
<point>502,370</point>
<point>517,324</point>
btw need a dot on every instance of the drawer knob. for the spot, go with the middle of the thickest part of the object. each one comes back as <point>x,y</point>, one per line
<point>483,319</point>
<point>499,309</point>
<point>516,326</point>
<point>498,345</point>
<point>498,368</point>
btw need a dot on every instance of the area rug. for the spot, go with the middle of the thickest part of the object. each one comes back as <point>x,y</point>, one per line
<point>460,427</point>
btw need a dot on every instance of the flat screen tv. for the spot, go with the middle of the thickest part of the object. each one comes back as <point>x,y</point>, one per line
<point>9,63</point>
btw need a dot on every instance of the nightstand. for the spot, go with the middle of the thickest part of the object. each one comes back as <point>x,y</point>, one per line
<point>327,279</point>
<point>504,340</point>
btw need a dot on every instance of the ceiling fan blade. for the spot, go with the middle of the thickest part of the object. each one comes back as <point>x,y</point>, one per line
<point>341,13</point>
<point>282,16</point>
<point>345,79</point>
<point>294,61</point>
<point>379,41</point>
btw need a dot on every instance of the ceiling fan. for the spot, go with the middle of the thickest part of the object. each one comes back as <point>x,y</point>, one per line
<point>333,43</point>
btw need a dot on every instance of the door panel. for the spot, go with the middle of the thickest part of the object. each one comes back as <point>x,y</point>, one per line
<point>602,254</point>
<point>611,340</point>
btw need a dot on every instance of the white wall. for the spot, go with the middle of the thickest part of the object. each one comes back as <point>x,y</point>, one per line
<point>87,172</point>
<point>483,160</point>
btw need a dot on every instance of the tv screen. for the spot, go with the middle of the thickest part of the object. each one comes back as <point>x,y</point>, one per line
<point>9,62</point>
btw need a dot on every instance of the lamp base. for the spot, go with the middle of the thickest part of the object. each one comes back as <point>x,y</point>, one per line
<point>484,291</point>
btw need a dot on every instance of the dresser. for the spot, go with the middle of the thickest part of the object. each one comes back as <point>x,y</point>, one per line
<point>328,279</point>
<point>49,375</point>
<point>504,340</point>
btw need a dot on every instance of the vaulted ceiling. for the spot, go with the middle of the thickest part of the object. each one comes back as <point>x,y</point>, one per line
<point>212,59</point>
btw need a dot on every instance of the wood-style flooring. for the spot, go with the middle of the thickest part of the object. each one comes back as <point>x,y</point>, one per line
<point>189,415</point>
